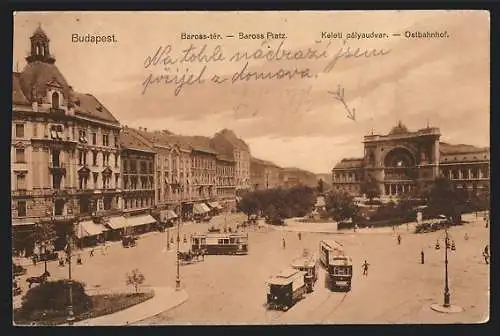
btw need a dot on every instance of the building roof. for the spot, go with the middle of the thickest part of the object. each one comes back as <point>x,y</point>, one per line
<point>349,163</point>
<point>462,153</point>
<point>129,141</point>
<point>255,160</point>
<point>233,139</point>
<point>18,96</point>
<point>37,75</point>
<point>89,106</point>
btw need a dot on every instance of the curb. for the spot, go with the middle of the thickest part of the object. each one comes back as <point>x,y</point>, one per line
<point>138,322</point>
<point>95,321</point>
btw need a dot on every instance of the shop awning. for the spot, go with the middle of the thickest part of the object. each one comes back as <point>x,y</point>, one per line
<point>166,215</point>
<point>140,220</point>
<point>215,205</point>
<point>117,222</point>
<point>198,209</point>
<point>205,207</point>
<point>19,224</point>
<point>88,229</point>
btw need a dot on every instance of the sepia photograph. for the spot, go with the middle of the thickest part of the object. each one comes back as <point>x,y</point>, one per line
<point>250,167</point>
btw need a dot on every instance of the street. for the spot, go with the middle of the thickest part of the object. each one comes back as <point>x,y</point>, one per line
<point>232,289</point>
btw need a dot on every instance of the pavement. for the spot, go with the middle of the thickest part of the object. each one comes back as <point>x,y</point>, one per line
<point>232,289</point>
<point>165,298</point>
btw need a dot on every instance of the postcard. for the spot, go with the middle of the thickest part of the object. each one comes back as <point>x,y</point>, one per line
<point>244,167</point>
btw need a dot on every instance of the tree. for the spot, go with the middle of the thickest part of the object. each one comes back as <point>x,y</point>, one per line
<point>370,188</point>
<point>340,206</point>
<point>53,296</point>
<point>249,204</point>
<point>44,235</point>
<point>135,278</point>
<point>446,200</point>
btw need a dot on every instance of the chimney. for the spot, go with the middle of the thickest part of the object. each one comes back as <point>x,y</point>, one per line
<point>140,128</point>
<point>145,129</point>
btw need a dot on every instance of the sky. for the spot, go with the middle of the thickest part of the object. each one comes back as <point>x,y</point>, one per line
<point>443,82</point>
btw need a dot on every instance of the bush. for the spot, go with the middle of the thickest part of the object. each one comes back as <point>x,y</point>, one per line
<point>52,296</point>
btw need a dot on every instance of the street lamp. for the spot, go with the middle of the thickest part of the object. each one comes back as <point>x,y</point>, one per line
<point>446,307</point>
<point>179,219</point>
<point>71,315</point>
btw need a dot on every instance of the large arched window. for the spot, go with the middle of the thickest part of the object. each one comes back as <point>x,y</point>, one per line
<point>55,100</point>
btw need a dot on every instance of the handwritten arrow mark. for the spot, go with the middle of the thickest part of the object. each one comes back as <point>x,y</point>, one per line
<point>339,95</point>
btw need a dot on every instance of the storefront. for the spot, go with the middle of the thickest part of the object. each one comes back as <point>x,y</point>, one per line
<point>167,218</point>
<point>215,208</point>
<point>117,225</point>
<point>200,211</point>
<point>23,235</point>
<point>90,233</point>
<point>141,223</point>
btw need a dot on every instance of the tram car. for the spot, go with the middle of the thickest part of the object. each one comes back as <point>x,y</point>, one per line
<point>220,243</point>
<point>309,265</point>
<point>338,266</point>
<point>285,289</point>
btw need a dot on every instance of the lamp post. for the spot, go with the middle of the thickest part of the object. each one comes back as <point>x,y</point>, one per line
<point>446,307</point>
<point>446,302</point>
<point>179,220</point>
<point>71,315</point>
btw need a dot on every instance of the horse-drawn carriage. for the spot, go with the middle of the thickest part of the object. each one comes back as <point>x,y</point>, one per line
<point>38,279</point>
<point>18,270</point>
<point>129,241</point>
<point>191,256</point>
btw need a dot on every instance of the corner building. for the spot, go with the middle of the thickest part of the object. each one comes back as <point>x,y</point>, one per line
<point>64,152</point>
<point>401,159</point>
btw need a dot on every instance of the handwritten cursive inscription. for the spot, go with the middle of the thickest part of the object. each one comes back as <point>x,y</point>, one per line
<point>346,52</point>
<point>244,75</point>
<point>268,53</point>
<point>274,55</point>
<point>177,79</point>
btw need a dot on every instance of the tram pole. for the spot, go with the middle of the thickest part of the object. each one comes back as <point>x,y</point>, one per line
<point>178,278</point>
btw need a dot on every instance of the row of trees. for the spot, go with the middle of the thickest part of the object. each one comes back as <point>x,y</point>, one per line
<point>440,196</point>
<point>278,203</point>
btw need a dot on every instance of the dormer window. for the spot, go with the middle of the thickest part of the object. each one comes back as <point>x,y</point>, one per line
<point>55,100</point>
<point>56,132</point>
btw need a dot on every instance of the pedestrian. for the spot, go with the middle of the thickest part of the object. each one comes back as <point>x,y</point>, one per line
<point>466,236</point>
<point>300,236</point>
<point>399,239</point>
<point>34,259</point>
<point>79,259</point>
<point>486,222</point>
<point>92,252</point>
<point>486,255</point>
<point>365,268</point>
<point>61,262</point>
<point>422,257</point>
<point>284,243</point>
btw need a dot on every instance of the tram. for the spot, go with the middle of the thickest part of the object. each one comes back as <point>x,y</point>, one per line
<point>220,243</point>
<point>285,289</point>
<point>308,264</point>
<point>338,266</point>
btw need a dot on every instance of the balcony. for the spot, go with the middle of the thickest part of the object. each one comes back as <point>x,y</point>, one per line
<point>57,168</point>
<point>21,193</point>
<point>57,111</point>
